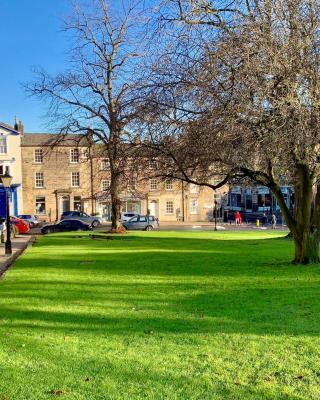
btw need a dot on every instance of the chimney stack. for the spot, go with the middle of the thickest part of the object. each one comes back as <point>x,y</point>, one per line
<point>18,125</point>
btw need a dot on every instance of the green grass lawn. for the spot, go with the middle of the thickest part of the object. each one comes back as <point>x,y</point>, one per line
<point>160,315</point>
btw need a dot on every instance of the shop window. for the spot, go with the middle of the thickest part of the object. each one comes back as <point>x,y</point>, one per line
<point>77,203</point>
<point>40,205</point>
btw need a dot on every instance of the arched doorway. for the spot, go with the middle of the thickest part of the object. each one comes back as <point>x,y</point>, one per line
<point>154,208</point>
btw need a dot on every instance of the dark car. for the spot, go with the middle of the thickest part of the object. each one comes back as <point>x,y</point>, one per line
<point>66,225</point>
<point>82,216</point>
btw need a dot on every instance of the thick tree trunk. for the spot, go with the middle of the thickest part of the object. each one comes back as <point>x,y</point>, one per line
<point>307,248</point>
<point>304,225</point>
<point>115,201</point>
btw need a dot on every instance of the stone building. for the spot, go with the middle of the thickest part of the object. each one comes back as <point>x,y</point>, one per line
<point>75,175</point>
<point>55,179</point>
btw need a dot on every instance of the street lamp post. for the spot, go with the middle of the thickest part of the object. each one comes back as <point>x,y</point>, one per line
<point>6,181</point>
<point>215,215</point>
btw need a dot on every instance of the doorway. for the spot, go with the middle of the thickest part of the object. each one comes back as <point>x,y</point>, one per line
<point>65,204</point>
<point>154,209</point>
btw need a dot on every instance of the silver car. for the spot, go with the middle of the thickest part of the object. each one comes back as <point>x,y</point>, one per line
<point>93,221</point>
<point>142,223</point>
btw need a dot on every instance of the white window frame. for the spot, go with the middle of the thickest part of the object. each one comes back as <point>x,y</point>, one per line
<point>194,189</point>
<point>193,207</point>
<point>74,156</point>
<point>153,184</point>
<point>105,164</point>
<point>72,180</point>
<point>132,184</point>
<point>3,147</point>
<point>39,156</point>
<point>169,212</point>
<point>105,185</point>
<point>37,179</point>
<point>169,184</point>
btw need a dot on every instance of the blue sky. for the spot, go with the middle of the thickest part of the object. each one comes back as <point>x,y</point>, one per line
<point>29,36</point>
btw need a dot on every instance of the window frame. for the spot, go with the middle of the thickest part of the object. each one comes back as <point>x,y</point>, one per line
<point>169,212</point>
<point>35,156</point>
<point>5,145</point>
<point>42,202</point>
<point>153,189</point>
<point>102,185</point>
<point>72,181</point>
<point>194,208</point>
<point>107,167</point>
<point>36,180</point>
<point>170,188</point>
<point>72,156</point>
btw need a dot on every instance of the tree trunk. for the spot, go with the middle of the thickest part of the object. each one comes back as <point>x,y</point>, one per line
<point>307,248</point>
<point>115,201</point>
<point>304,225</point>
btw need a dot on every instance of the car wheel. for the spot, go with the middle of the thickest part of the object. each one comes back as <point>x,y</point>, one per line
<point>149,228</point>
<point>95,223</point>
<point>49,231</point>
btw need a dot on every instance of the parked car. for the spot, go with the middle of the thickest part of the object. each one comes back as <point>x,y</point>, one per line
<point>30,218</point>
<point>66,225</point>
<point>141,222</point>
<point>128,215</point>
<point>82,216</point>
<point>22,226</point>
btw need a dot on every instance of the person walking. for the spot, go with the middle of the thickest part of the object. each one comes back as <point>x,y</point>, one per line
<point>274,221</point>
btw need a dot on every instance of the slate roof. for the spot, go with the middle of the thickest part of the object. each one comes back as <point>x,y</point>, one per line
<point>9,127</point>
<point>51,139</point>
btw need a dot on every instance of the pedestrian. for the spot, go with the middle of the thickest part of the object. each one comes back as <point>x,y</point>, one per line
<point>274,221</point>
<point>148,215</point>
<point>237,218</point>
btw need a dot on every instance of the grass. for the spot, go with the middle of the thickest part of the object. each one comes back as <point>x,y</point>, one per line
<point>160,315</point>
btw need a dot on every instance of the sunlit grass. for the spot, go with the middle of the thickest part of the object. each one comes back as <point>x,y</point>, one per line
<point>160,315</point>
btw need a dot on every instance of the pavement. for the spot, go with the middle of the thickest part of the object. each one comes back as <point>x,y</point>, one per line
<point>19,244</point>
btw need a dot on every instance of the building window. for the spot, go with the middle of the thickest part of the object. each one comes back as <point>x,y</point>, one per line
<point>153,164</point>
<point>74,155</point>
<point>105,164</point>
<point>77,203</point>
<point>169,184</point>
<point>153,184</point>
<point>193,206</point>
<point>40,205</point>
<point>169,207</point>
<point>105,185</point>
<point>194,188</point>
<point>75,179</point>
<point>132,184</point>
<point>39,180</point>
<point>38,156</point>
<point>3,145</point>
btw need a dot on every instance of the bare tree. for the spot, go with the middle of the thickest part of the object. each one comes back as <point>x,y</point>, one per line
<point>252,105</point>
<point>94,97</point>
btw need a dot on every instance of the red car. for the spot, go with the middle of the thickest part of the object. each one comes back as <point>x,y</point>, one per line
<point>22,226</point>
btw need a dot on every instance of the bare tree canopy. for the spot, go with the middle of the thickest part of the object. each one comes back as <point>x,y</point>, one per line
<point>95,96</point>
<point>246,98</point>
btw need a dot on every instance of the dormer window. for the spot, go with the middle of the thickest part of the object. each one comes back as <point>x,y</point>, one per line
<point>3,145</point>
